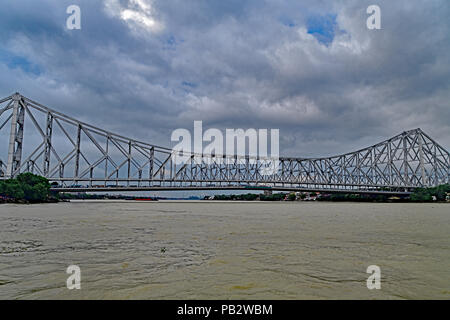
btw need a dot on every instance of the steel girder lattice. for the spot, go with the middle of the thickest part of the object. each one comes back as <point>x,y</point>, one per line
<point>72,152</point>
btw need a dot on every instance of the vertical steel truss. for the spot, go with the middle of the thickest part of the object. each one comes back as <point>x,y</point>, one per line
<point>101,158</point>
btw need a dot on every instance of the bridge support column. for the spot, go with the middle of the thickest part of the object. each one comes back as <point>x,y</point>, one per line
<point>15,137</point>
<point>77,155</point>
<point>422,166</point>
<point>48,143</point>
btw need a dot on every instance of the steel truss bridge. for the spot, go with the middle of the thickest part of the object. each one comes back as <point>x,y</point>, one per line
<point>81,157</point>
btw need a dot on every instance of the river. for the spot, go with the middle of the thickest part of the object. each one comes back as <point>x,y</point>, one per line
<point>224,250</point>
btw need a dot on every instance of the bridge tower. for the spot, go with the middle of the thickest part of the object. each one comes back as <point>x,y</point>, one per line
<point>16,136</point>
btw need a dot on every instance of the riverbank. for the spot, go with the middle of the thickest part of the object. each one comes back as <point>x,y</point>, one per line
<point>22,201</point>
<point>338,197</point>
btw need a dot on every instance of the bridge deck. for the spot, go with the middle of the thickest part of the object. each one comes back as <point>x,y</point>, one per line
<point>227,188</point>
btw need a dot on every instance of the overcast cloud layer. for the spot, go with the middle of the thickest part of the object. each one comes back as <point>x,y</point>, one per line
<point>143,68</point>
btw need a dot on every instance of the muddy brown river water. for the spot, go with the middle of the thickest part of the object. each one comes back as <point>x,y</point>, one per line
<point>224,250</point>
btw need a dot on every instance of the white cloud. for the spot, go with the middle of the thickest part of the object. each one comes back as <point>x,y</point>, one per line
<point>138,14</point>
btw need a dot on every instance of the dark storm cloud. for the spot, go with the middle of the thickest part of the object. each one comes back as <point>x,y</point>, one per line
<point>311,68</point>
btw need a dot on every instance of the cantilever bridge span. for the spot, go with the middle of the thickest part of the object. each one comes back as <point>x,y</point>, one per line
<point>79,156</point>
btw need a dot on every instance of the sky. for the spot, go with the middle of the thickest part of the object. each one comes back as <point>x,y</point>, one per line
<point>312,69</point>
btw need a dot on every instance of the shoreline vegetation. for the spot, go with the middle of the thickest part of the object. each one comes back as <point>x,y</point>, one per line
<point>26,188</point>
<point>30,188</point>
<point>434,194</point>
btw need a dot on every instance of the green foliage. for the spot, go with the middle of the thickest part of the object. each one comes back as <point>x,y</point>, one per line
<point>353,197</point>
<point>238,197</point>
<point>12,189</point>
<point>273,197</point>
<point>292,197</point>
<point>26,186</point>
<point>251,197</point>
<point>427,194</point>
